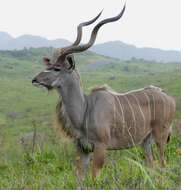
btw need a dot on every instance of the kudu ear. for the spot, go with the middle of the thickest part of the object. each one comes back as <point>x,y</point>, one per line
<point>71,60</point>
<point>46,61</point>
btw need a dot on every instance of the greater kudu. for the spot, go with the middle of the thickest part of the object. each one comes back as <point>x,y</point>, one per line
<point>105,120</point>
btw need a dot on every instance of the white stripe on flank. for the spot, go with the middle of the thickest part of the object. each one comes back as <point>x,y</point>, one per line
<point>133,115</point>
<point>147,97</point>
<point>122,112</point>
<point>167,108</point>
<point>154,107</point>
<point>163,106</point>
<point>133,143</point>
<point>144,120</point>
<point>114,115</point>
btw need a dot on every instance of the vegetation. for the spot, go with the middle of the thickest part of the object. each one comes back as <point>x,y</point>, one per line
<point>25,109</point>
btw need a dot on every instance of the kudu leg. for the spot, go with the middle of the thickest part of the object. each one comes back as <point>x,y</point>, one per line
<point>161,137</point>
<point>98,160</point>
<point>161,148</point>
<point>147,146</point>
<point>82,161</point>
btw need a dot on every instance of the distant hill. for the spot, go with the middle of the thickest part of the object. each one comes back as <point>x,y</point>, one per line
<point>115,49</point>
<point>124,51</point>
<point>7,42</point>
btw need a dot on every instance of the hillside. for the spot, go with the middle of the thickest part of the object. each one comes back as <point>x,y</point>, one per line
<point>7,42</point>
<point>126,52</point>
<point>121,51</point>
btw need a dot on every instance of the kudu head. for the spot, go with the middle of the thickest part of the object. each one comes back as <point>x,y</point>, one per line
<point>60,68</point>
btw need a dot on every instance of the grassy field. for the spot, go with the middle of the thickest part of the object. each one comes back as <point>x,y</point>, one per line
<point>24,109</point>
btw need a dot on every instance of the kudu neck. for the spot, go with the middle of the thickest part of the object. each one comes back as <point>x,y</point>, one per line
<point>74,101</point>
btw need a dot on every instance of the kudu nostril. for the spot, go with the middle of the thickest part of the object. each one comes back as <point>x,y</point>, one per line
<point>34,81</point>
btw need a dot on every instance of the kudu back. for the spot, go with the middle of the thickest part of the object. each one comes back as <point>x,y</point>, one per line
<point>104,119</point>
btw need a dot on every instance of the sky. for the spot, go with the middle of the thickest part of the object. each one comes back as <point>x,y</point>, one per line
<point>146,23</point>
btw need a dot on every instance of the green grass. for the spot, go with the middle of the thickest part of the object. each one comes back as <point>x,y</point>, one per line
<point>23,106</point>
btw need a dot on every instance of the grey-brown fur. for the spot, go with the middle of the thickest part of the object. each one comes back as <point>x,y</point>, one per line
<point>131,117</point>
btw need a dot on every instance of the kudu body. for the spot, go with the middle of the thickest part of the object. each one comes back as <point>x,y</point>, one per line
<point>105,120</point>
